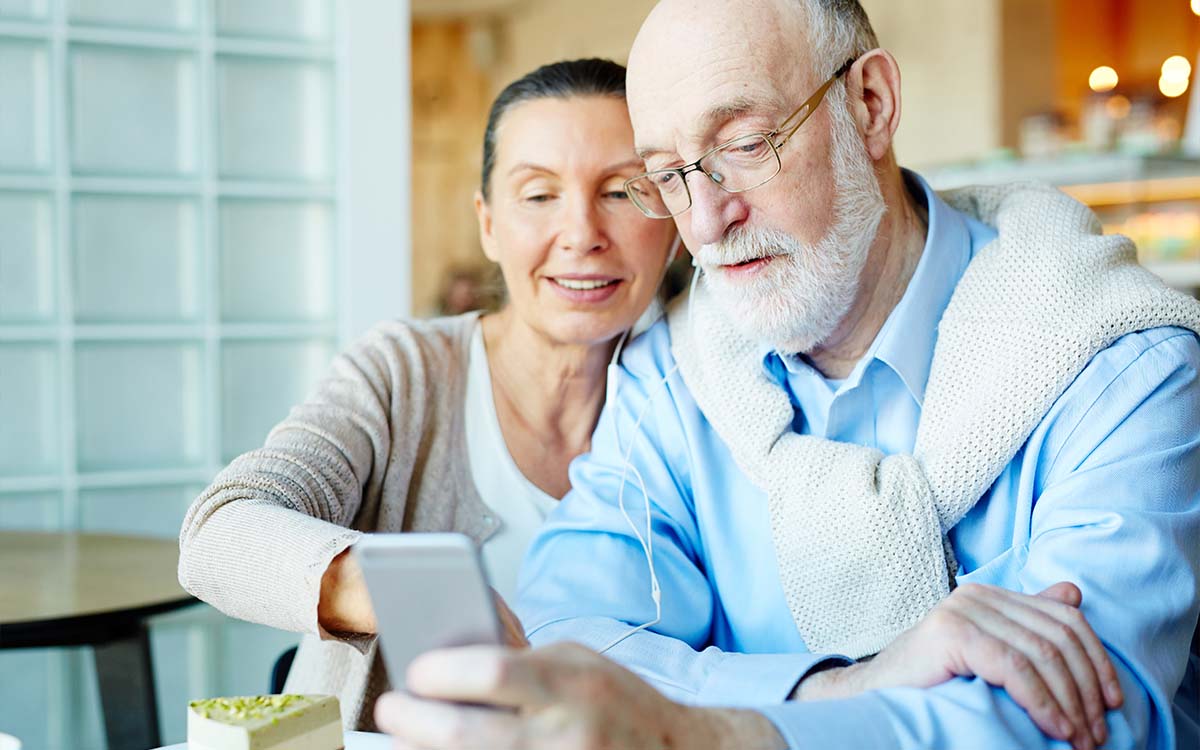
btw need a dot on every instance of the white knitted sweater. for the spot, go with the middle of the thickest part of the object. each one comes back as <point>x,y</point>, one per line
<point>860,537</point>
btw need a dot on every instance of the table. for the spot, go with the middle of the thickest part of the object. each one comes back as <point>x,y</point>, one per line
<point>75,589</point>
<point>354,741</point>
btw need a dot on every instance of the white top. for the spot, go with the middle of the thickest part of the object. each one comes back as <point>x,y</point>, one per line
<point>520,506</point>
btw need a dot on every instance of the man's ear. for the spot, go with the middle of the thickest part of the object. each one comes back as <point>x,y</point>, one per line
<point>483,213</point>
<point>873,96</point>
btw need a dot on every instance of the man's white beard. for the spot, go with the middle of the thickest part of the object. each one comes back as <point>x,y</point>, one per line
<point>797,301</point>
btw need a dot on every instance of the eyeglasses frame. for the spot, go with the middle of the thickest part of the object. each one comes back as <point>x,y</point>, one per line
<point>804,111</point>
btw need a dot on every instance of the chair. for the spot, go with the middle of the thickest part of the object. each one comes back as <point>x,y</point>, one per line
<point>279,672</point>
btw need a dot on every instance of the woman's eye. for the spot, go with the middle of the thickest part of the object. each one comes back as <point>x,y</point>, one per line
<point>538,198</point>
<point>618,194</point>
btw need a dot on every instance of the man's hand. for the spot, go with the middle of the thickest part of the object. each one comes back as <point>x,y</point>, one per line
<point>563,697</point>
<point>1040,649</point>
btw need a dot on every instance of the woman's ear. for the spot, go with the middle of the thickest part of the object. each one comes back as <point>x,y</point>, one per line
<point>483,213</point>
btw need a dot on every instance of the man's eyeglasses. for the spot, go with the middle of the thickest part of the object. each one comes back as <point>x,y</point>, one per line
<point>735,166</point>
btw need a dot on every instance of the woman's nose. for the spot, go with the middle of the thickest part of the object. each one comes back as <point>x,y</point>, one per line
<point>583,230</point>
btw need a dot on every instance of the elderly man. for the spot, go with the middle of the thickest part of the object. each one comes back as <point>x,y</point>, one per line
<point>874,395</point>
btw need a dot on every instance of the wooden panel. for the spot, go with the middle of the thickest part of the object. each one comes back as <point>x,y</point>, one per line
<point>1027,55</point>
<point>450,104</point>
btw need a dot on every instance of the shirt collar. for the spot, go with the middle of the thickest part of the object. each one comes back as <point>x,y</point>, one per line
<point>908,337</point>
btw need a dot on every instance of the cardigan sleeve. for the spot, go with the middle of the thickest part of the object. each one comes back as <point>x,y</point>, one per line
<point>257,542</point>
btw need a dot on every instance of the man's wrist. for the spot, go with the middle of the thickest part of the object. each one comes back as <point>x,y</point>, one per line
<point>832,684</point>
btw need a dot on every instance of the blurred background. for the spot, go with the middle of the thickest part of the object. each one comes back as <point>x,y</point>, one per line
<point>202,200</point>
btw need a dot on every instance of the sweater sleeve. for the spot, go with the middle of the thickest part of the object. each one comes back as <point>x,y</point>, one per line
<point>257,542</point>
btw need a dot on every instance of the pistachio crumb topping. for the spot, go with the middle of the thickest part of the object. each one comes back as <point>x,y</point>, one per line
<point>248,707</point>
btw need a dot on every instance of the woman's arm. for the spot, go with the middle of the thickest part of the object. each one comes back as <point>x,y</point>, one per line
<point>258,543</point>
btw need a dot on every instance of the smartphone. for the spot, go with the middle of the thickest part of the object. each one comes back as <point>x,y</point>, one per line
<point>429,591</point>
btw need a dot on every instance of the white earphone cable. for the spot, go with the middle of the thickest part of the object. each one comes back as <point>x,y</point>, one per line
<point>647,541</point>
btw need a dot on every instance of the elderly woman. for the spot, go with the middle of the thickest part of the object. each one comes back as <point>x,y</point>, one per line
<point>462,424</point>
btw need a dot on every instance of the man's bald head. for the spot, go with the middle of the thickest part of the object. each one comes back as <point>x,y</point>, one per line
<point>818,35</point>
<point>750,49</point>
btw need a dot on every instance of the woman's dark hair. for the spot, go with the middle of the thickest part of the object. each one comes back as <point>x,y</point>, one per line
<point>560,80</point>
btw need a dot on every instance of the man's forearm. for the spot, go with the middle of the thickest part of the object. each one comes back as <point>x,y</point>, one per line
<point>706,678</point>
<point>964,712</point>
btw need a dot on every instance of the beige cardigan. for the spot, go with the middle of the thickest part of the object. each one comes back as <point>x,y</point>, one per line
<point>379,446</point>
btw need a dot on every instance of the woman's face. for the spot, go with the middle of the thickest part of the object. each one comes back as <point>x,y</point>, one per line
<point>580,261</point>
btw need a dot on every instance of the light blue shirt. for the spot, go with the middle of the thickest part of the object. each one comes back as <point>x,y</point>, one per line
<point>1106,493</point>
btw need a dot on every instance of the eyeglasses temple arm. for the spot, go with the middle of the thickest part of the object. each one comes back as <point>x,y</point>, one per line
<point>809,106</point>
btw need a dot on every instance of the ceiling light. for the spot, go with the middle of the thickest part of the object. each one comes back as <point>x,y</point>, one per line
<point>1104,78</point>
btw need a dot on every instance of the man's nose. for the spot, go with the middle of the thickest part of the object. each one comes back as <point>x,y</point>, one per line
<point>714,211</point>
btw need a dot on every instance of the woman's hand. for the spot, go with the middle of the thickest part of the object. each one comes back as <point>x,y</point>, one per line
<point>1040,649</point>
<point>514,633</point>
<point>345,605</point>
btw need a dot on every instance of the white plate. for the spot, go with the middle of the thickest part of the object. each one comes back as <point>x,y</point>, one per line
<point>354,741</point>
<point>8,742</point>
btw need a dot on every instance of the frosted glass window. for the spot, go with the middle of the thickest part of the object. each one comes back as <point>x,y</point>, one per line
<point>30,511</point>
<point>138,405</point>
<point>145,511</point>
<point>88,731</point>
<point>275,119</point>
<point>260,382</point>
<point>25,693</point>
<point>24,107</point>
<point>23,9</point>
<point>170,197</point>
<point>178,665</point>
<point>309,20</point>
<point>26,258</point>
<point>135,259</point>
<point>276,260</point>
<point>247,652</point>
<point>133,112</point>
<point>29,412</point>
<point>165,14</point>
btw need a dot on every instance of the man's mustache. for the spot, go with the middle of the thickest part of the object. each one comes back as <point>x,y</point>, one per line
<point>743,245</point>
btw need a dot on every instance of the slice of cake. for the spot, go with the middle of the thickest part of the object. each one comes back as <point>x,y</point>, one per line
<point>266,722</point>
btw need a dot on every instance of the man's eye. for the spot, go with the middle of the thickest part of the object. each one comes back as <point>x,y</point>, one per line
<point>664,179</point>
<point>749,148</point>
<point>538,198</point>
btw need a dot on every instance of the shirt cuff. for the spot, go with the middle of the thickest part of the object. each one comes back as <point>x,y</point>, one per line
<point>752,680</point>
<point>858,723</point>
